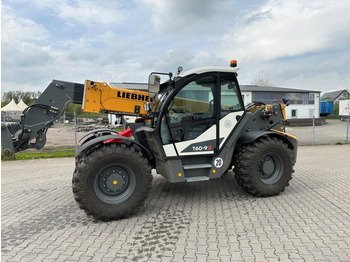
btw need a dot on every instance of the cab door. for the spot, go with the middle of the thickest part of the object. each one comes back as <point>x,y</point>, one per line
<point>201,116</point>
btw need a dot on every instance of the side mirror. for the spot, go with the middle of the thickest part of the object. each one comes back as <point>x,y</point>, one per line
<point>153,84</point>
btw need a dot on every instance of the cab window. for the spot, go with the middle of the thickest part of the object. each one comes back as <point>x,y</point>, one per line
<point>230,101</point>
<point>190,112</point>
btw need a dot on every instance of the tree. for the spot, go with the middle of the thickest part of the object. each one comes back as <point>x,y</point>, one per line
<point>260,81</point>
<point>28,97</point>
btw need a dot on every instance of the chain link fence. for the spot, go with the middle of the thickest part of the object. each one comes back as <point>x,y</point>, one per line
<point>332,132</point>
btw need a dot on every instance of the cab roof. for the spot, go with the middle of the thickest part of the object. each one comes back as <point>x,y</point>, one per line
<point>207,69</point>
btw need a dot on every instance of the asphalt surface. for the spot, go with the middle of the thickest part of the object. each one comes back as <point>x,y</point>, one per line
<point>200,221</point>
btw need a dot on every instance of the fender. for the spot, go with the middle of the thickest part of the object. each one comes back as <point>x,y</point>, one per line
<point>96,131</point>
<point>113,139</point>
<point>249,137</point>
<point>104,132</point>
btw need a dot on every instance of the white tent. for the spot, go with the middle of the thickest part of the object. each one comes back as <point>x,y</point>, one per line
<point>22,105</point>
<point>12,106</point>
<point>11,112</point>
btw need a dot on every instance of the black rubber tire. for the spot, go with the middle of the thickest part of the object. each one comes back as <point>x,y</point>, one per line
<point>264,167</point>
<point>111,182</point>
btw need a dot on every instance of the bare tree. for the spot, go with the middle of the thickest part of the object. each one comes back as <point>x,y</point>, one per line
<point>261,81</point>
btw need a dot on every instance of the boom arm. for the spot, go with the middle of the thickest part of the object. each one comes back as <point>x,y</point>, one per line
<point>100,96</point>
<point>37,118</point>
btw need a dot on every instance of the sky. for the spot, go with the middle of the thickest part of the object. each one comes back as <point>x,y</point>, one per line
<point>303,44</point>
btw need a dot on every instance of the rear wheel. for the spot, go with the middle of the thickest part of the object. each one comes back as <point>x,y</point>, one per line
<point>111,182</point>
<point>264,167</point>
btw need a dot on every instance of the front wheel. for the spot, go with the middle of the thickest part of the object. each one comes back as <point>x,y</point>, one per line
<point>264,167</point>
<point>112,181</point>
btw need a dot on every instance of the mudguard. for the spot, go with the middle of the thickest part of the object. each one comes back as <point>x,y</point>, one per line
<point>112,139</point>
<point>96,131</point>
<point>290,140</point>
<point>249,137</point>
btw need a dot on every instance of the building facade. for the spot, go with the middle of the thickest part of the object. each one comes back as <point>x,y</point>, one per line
<point>304,104</point>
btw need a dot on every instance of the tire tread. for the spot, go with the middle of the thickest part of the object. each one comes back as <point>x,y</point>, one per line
<point>85,163</point>
<point>244,162</point>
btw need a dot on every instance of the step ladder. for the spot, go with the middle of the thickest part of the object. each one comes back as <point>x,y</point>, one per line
<point>197,166</point>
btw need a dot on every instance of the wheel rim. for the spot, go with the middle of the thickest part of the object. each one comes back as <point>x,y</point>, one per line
<point>270,168</point>
<point>114,184</point>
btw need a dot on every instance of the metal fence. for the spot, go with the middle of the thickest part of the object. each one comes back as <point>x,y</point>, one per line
<point>333,131</point>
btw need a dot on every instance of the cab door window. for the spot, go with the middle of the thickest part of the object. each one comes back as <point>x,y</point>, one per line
<point>230,97</point>
<point>231,107</point>
<point>191,112</point>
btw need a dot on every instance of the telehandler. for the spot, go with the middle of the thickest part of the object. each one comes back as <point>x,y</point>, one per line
<point>192,127</point>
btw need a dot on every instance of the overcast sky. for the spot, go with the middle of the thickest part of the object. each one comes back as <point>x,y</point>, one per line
<point>301,44</point>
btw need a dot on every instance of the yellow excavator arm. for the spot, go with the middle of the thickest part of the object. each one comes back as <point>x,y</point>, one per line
<point>99,96</point>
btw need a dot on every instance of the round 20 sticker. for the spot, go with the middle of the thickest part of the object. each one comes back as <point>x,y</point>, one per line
<point>218,162</point>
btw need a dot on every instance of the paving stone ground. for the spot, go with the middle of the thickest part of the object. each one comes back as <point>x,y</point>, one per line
<point>201,221</point>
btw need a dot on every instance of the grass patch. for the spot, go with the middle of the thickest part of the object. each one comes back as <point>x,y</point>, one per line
<point>57,152</point>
